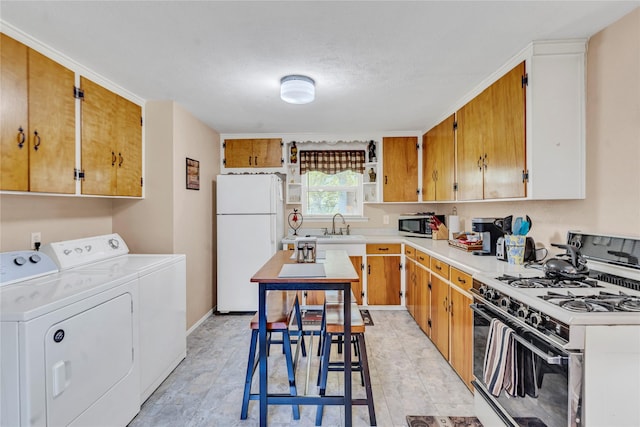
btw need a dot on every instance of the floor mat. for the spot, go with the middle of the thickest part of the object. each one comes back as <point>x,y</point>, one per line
<point>439,421</point>
<point>366,316</point>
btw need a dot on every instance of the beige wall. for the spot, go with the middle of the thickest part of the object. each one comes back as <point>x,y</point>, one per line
<point>192,210</point>
<point>172,219</point>
<point>56,217</point>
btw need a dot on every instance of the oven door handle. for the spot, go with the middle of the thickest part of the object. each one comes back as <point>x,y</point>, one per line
<point>550,359</point>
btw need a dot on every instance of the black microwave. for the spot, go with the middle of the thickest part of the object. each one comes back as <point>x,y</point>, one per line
<point>418,224</point>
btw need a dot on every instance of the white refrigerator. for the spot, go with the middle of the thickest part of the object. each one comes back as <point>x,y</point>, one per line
<point>250,227</point>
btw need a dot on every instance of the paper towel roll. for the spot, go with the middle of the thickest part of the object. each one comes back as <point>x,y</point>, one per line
<point>454,225</point>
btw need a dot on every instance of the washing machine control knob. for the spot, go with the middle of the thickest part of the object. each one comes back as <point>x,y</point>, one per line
<point>35,258</point>
<point>19,260</point>
<point>114,243</point>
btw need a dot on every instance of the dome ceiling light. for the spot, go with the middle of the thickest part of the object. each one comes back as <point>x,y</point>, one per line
<point>296,89</point>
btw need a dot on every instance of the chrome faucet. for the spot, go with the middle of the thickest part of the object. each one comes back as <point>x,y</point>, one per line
<point>333,228</point>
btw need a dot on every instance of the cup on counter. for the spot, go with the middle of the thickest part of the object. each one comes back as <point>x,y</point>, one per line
<point>515,246</point>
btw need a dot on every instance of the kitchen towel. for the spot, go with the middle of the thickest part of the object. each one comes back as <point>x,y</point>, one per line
<point>499,371</point>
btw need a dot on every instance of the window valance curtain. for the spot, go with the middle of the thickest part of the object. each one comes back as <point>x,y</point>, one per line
<point>332,161</point>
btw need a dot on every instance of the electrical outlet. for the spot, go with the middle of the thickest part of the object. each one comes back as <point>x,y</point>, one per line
<point>385,219</point>
<point>35,237</point>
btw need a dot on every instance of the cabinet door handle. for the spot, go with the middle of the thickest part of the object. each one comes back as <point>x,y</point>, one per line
<point>421,258</point>
<point>383,249</point>
<point>255,161</point>
<point>21,137</point>
<point>461,280</point>
<point>485,161</point>
<point>121,159</point>
<point>249,160</point>
<point>445,304</point>
<point>451,308</point>
<point>436,175</point>
<point>36,140</point>
<point>369,269</point>
<point>438,267</point>
<point>385,180</point>
<point>113,158</point>
<point>478,163</point>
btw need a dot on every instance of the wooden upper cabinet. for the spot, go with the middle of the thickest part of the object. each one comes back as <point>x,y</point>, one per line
<point>52,126</point>
<point>111,143</point>
<point>98,153</point>
<point>14,163</point>
<point>491,141</point>
<point>129,138</point>
<point>438,162</point>
<point>37,97</point>
<point>505,148</point>
<point>400,169</point>
<point>253,153</point>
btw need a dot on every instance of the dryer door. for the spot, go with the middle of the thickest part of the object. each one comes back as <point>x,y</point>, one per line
<point>86,356</point>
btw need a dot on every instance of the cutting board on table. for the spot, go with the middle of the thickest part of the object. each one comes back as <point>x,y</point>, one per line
<point>302,270</point>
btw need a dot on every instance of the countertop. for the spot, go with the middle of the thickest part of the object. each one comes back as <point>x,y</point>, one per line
<point>465,261</point>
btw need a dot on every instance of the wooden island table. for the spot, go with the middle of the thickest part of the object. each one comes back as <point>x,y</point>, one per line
<point>337,275</point>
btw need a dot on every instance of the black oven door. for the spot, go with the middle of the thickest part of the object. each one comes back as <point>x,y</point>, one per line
<point>554,400</point>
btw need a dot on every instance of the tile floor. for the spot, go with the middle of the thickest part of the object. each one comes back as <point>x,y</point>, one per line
<point>408,375</point>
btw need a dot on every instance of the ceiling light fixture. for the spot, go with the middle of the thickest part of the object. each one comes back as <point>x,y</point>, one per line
<point>296,89</point>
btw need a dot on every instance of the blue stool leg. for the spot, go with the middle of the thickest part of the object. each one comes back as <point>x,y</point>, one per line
<point>291,372</point>
<point>322,377</point>
<point>300,333</point>
<point>251,366</point>
<point>364,362</point>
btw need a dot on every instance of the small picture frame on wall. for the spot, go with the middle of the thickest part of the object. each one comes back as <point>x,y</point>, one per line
<point>193,174</point>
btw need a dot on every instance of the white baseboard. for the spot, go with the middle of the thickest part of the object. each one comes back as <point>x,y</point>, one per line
<point>199,322</point>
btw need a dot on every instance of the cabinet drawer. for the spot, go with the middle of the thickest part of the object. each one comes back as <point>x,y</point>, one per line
<point>439,267</point>
<point>409,252</point>
<point>461,279</point>
<point>423,258</point>
<point>383,249</point>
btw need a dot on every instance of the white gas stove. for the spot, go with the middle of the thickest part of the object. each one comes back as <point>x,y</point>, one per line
<point>584,332</point>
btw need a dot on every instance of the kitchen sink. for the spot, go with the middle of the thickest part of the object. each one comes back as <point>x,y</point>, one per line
<point>339,238</point>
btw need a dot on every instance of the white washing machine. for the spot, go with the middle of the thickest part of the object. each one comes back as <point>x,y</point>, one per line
<point>161,303</point>
<point>69,344</point>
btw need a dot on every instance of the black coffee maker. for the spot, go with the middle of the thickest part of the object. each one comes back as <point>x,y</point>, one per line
<point>489,233</point>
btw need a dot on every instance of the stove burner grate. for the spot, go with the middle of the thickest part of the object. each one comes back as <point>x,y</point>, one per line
<point>546,282</point>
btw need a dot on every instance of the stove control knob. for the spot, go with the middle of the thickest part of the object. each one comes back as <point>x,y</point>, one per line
<point>483,289</point>
<point>522,311</point>
<point>535,319</point>
<point>35,258</point>
<point>19,261</point>
<point>504,302</point>
<point>490,294</point>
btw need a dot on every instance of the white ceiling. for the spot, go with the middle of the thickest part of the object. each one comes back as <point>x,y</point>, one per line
<point>379,66</point>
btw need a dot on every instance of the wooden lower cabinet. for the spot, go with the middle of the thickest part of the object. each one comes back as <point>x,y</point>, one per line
<point>439,320</point>
<point>461,335</point>
<point>317,297</point>
<point>383,280</point>
<point>411,287</point>
<point>422,298</point>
